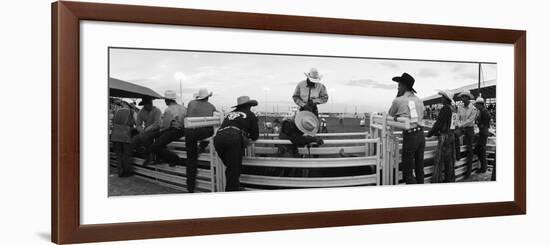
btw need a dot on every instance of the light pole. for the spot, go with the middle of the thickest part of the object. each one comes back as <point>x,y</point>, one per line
<point>180,76</point>
<point>266,90</point>
<point>331,90</point>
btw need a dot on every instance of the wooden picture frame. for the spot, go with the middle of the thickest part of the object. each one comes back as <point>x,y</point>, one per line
<point>65,171</point>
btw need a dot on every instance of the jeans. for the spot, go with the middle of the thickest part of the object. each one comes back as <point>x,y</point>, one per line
<point>481,150</point>
<point>229,145</point>
<point>124,158</point>
<point>444,158</point>
<point>192,137</point>
<point>145,139</point>
<point>163,139</point>
<point>468,133</point>
<point>413,155</point>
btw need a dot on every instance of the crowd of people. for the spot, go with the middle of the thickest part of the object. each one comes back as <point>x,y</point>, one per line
<point>149,131</point>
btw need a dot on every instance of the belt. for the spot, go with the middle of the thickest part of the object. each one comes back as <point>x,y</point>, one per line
<point>412,130</point>
<point>228,127</point>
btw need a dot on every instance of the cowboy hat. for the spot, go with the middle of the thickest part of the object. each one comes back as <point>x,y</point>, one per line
<point>405,79</point>
<point>480,100</point>
<point>307,122</point>
<point>202,94</point>
<point>243,100</point>
<point>446,94</point>
<point>466,93</point>
<point>313,75</point>
<point>170,95</point>
<point>146,100</point>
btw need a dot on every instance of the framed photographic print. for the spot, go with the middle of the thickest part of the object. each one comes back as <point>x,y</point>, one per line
<point>178,122</point>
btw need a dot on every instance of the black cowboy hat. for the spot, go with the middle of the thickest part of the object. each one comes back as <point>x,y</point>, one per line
<point>407,80</point>
<point>145,101</point>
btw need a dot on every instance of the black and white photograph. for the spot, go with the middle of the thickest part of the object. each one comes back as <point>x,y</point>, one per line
<point>190,121</point>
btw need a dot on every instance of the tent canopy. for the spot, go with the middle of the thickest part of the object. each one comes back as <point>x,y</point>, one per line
<point>123,89</point>
<point>488,90</point>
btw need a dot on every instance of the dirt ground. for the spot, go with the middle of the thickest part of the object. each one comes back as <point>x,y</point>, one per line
<point>135,186</point>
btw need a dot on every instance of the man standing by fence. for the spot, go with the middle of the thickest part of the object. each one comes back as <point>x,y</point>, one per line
<point>237,129</point>
<point>171,129</point>
<point>466,119</point>
<point>443,128</point>
<point>147,125</point>
<point>408,105</point>
<point>199,107</point>
<point>483,121</point>
<point>310,92</point>
<point>121,136</point>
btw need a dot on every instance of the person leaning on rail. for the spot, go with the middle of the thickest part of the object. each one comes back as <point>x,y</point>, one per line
<point>199,107</point>
<point>237,129</point>
<point>443,128</point>
<point>310,92</point>
<point>408,105</point>
<point>147,125</point>
<point>483,121</point>
<point>466,118</point>
<point>171,129</point>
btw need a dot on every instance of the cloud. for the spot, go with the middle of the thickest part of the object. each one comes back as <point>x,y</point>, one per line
<point>427,72</point>
<point>370,83</point>
<point>389,64</point>
<point>467,75</point>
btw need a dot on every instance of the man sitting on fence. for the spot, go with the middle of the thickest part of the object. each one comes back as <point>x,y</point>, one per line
<point>237,129</point>
<point>199,107</point>
<point>443,128</point>
<point>408,105</point>
<point>147,125</point>
<point>171,129</point>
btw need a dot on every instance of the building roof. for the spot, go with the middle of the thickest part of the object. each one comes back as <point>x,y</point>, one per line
<point>488,90</point>
<point>123,89</point>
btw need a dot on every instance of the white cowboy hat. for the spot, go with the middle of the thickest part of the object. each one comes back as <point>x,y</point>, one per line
<point>170,94</point>
<point>466,93</point>
<point>202,94</point>
<point>313,75</point>
<point>480,100</point>
<point>245,100</point>
<point>307,122</point>
<point>447,94</point>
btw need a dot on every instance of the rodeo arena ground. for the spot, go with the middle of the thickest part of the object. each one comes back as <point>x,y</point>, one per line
<point>348,150</point>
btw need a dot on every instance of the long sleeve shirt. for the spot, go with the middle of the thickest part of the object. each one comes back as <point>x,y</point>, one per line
<point>305,92</point>
<point>483,121</point>
<point>466,115</point>
<point>443,122</point>
<point>291,132</point>
<point>149,120</point>
<point>409,106</point>
<point>200,108</point>
<point>173,116</point>
<point>245,120</point>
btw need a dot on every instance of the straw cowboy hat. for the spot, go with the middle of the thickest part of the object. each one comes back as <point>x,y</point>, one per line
<point>202,94</point>
<point>447,94</point>
<point>480,100</point>
<point>405,79</point>
<point>313,75</point>
<point>243,100</point>
<point>466,93</point>
<point>307,122</point>
<point>170,94</point>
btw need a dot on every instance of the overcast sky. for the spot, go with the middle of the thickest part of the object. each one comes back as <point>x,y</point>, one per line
<point>352,83</point>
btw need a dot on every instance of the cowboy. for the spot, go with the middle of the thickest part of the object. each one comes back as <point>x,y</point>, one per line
<point>443,128</point>
<point>199,107</point>
<point>483,121</point>
<point>408,105</point>
<point>171,129</point>
<point>237,129</point>
<point>121,136</point>
<point>310,92</point>
<point>300,130</point>
<point>147,125</point>
<point>466,119</point>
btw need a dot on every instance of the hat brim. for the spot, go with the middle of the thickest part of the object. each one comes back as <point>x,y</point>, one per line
<point>250,102</point>
<point>468,95</point>
<point>204,97</point>
<point>298,118</point>
<point>313,79</point>
<point>400,79</point>
<point>445,95</point>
